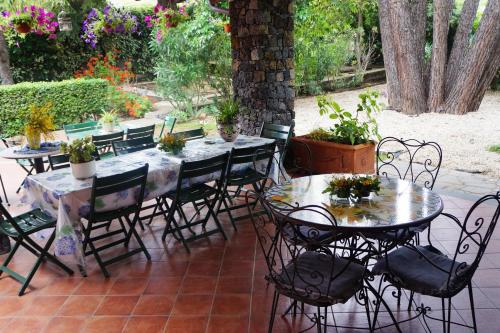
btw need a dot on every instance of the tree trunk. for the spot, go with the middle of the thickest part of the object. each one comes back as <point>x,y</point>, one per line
<point>461,42</point>
<point>456,86</point>
<point>441,22</point>
<point>5,73</point>
<point>393,87</point>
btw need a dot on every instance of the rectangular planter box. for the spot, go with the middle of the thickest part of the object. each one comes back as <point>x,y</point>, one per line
<point>329,157</point>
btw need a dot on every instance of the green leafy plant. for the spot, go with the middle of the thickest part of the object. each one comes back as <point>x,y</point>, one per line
<point>339,186</point>
<point>494,149</point>
<point>108,117</point>
<point>350,128</point>
<point>355,187</point>
<point>172,143</point>
<point>227,111</point>
<point>79,150</point>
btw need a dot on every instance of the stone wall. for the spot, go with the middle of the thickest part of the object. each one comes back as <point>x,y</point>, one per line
<point>263,66</point>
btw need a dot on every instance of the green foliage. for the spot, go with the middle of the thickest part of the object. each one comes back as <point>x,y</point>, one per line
<point>79,150</point>
<point>350,128</point>
<point>355,187</point>
<point>72,101</point>
<point>108,117</point>
<point>227,111</point>
<point>494,149</point>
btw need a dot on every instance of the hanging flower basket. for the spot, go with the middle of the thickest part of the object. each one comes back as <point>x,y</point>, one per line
<point>30,19</point>
<point>23,28</point>
<point>165,19</point>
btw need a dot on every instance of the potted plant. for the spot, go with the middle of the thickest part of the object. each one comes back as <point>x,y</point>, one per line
<point>172,144</point>
<point>39,123</point>
<point>363,186</point>
<point>227,119</point>
<point>227,26</point>
<point>108,120</point>
<point>348,146</point>
<point>81,157</point>
<point>22,22</point>
<point>353,188</point>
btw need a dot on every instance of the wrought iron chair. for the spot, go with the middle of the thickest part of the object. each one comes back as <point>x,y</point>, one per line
<point>193,173</point>
<point>189,135</point>
<point>247,167</point>
<point>428,271</point>
<point>132,145</point>
<point>132,183</point>
<point>80,127</point>
<point>320,275</point>
<point>104,143</point>
<point>20,228</point>
<point>280,133</point>
<point>168,125</point>
<point>141,132</point>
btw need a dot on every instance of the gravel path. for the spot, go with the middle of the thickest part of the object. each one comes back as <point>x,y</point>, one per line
<point>464,139</point>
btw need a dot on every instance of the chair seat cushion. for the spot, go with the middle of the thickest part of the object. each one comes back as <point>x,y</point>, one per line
<point>321,279</point>
<point>194,193</point>
<point>249,176</point>
<point>409,269</point>
<point>29,222</point>
<point>305,234</point>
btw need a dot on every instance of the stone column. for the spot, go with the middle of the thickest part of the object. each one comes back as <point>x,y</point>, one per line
<point>263,66</point>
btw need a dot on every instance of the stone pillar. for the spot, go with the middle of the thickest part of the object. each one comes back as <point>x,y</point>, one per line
<point>263,66</point>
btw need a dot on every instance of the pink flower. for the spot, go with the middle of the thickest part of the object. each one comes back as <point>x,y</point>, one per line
<point>158,35</point>
<point>52,36</point>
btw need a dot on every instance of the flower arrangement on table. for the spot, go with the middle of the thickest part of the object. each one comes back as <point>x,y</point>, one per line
<point>356,187</point>
<point>164,19</point>
<point>172,143</point>
<point>30,19</point>
<point>39,122</point>
<point>110,20</point>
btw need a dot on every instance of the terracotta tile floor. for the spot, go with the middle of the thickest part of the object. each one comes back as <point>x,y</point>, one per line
<point>219,287</point>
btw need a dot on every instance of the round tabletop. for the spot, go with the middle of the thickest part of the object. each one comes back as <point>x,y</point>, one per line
<point>399,203</point>
<point>13,153</point>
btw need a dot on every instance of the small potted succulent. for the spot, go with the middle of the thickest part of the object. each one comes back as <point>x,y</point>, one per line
<point>39,123</point>
<point>172,144</point>
<point>108,120</point>
<point>227,119</point>
<point>81,157</point>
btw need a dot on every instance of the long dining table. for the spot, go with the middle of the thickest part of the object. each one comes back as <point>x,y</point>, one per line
<point>66,198</point>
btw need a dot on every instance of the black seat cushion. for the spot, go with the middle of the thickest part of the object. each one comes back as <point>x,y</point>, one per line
<point>305,234</point>
<point>320,278</point>
<point>409,269</point>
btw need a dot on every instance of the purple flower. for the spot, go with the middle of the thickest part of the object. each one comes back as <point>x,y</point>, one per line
<point>5,13</point>
<point>106,10</point>
<point>52,36</point>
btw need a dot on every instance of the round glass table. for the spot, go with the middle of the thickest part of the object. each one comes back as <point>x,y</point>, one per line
<point>399,204</point>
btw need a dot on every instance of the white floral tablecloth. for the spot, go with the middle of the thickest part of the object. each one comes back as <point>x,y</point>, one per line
<point>66,198</point>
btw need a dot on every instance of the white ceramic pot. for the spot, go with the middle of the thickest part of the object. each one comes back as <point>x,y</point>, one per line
<point>83,170</point>
<point>108,127</point>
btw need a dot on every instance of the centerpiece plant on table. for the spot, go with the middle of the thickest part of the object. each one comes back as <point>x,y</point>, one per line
<point>108,120</point>
<point>348,146</point>
<point>353,188</point>
<point>171,143</point>
<point>39,122</point>
<point>81,157</point>
<point>226,117</point>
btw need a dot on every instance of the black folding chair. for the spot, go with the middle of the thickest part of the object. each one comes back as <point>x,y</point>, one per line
<point>104,143</point>
<point>141,132</point>
<point>132,145</point>
<point>59,161</point>
<point>281,134</point>
<point>243,170</point>
<point>190,172</point>
<point>133,182</point>
<point>20,228</point>
<point>168,125</point>
<point>189,135</point>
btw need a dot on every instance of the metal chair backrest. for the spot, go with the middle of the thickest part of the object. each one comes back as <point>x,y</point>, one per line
<point>60,161</point>
<point>260,154</point>
<point>189,135</point>
<point>104,143</point>
<point>133,181</point>
<point>132,145</point>
<point>199,169</point>
<point>420,165</point>
<point>168,125</point>
<point>280,133</point>
<point>80,127</point>
<point>141,132</point>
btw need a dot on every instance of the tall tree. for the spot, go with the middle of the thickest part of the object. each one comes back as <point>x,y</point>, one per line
<point>452,83</point>
<point>5,72</point>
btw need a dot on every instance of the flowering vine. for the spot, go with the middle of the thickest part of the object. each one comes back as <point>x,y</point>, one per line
<point>31,19</point>
<point>109,21</point>
<point>165,19</point>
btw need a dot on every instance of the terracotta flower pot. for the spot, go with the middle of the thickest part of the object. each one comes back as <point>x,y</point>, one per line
<point>329,157</point>
<point>227,27</point>
<point>229,132</point>
<point>23,28</point>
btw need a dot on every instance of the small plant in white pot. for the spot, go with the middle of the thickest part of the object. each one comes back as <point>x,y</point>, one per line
<point>227,119</point>
<point>108,120</point>
<point>81,157</point>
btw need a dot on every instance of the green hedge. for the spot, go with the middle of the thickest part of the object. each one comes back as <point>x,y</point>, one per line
<point>73,101</point>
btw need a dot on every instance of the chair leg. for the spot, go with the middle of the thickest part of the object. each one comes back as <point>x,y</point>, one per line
<point>171,219</point>
<point>45,254</point>
<point>4,192</point>
<point>132,231</point>
<point>211,212</point>
<point>473,311</point>
<point>449,315</point>
<point>11,254</point>
<point>97,257</point>
<point>411,300</point>
<point>367,309</point>
<point>228,209</point>
<point>273,311</point>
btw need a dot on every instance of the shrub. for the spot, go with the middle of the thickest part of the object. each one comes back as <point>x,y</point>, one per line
<point>72,101</point>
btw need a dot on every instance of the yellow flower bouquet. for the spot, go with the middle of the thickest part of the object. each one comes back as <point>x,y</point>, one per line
<point>39,122</point>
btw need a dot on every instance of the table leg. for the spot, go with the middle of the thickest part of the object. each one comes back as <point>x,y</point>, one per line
<point>39,167</point>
